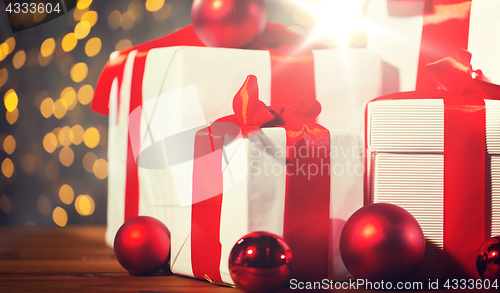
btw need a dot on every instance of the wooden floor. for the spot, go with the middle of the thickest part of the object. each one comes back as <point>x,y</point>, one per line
<point>75,259</point>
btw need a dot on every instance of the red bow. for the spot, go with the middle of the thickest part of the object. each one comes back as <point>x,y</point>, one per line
<point>251,113</point>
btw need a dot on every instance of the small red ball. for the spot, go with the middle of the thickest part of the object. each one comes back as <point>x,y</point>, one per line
<point>142,245</point>
<point>488,259</point>
<point>260,262</point>
<point>382,241</point>
<point>228,23</point>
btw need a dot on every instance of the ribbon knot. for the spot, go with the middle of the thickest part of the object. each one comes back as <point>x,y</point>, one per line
<point>251,113</point>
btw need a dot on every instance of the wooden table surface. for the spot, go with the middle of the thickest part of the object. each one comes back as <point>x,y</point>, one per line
<point>75,259</point>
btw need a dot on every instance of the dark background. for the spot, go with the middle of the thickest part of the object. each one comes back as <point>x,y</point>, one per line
<point>48,174</point>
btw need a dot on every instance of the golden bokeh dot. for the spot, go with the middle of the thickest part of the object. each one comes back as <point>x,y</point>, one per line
<point>50,142</point>
<point>55,131</point>
<point>4,75</point>
<point>51,170</point>
<point>93,46</point>
<point>9,144</point>
<point>114,19</point>
<point>28,164</point>
<point>40,96</point>
<point>44,205</point>
<point>136,10</point>
<point>127,22</point>
<point>296,29</point>
<point>2,54</point>
<point>88,162</point>
<point>63,136</point>
<point>7,168</point>
<point>11,43</point>
<point>82,29</point>
<point>66,156</point>
<point>68,95</point>
<point>47,47</point>
<point>123,44</point>
<point>84,205</point>
<point>91,137</point>
<point>4,48</point>
<point>100,169</point>
<point>60,217</point>
<point>5,204</point>
<point>154,5</point>
<point>19,59</point>
<point>85,94</point>
<point>82,4</point>
<point>79,72</point>
<point>66,194</point>
<point>163,13</point>
<point>91,17</point>
<point>76,134</point>
<point>10,100</point>
<point>12,116</point>
<point>47,107</point>
<point>66,65</point>
<point>78,13</point>
<point>69,42</point>
<point>60,108</point>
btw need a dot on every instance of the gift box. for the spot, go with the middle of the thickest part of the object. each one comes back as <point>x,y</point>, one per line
<point>194,86</point>
<point>437,154</point>
<point>410,33</point>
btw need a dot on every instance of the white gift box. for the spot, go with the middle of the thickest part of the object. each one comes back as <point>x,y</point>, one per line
<point>187,88</point>
<point>405,140</point>
<point>396,32</point>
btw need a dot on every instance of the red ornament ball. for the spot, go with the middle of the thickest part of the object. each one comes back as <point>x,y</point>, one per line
<point>488,259</point>
<point>382,241</point>
<point>142,245</point>
<point>228,23</point>
<point>260,262</point>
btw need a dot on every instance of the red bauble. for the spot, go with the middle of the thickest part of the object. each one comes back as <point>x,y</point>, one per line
<point>228,23</point>
<point>382,242</point>
<point>488,259</point>
<point>260,262</point>
<point>142,245</point>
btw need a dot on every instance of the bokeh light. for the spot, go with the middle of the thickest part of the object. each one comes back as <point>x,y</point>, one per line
<point>66,194</point>
<point>50,142</point>
<point>136,9</point>
<point>7,168</point>
<point>4,76</point>
<point>91,137</point>
<point>68,95</point>
<point>12,116</point>
<point>44,205</point>
<point>84,205</point>
<point>82,29</point>
<point>127,21</point>
<point>29,164</point>
<point>85,94</point>
<point>114,19</point>
<point>100,169</point>
<point>63,136</point>
<point>11,44</point>
<point>60,108</point>
<point>93,46</point>
<point>163,13</point>
<point>60,217</point>
<point>9,144</point>
<point>79,72</point>
<point>154,5</point>
<point>78,13</point>
<point>82,4</point>
<point>47,47</point>
<point>47,107</point>
<point>66,156</point>
<point>69,42</point>
<point>76,134</point>
<point>88,162</point>
<point>19,59</point>
<point>10,100</point>
<point>123,44</point>
<point>91,17</point>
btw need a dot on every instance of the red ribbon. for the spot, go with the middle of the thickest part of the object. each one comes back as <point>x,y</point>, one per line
<point>292,77</point>
<point>464,226</point>
<point>307,203</point>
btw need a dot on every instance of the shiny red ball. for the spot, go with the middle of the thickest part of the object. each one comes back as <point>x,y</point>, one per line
<point>142,245</point>
<point>260,262</point>
<point>382,242</point>
<point>488,259</point>
<point>228,23</point>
